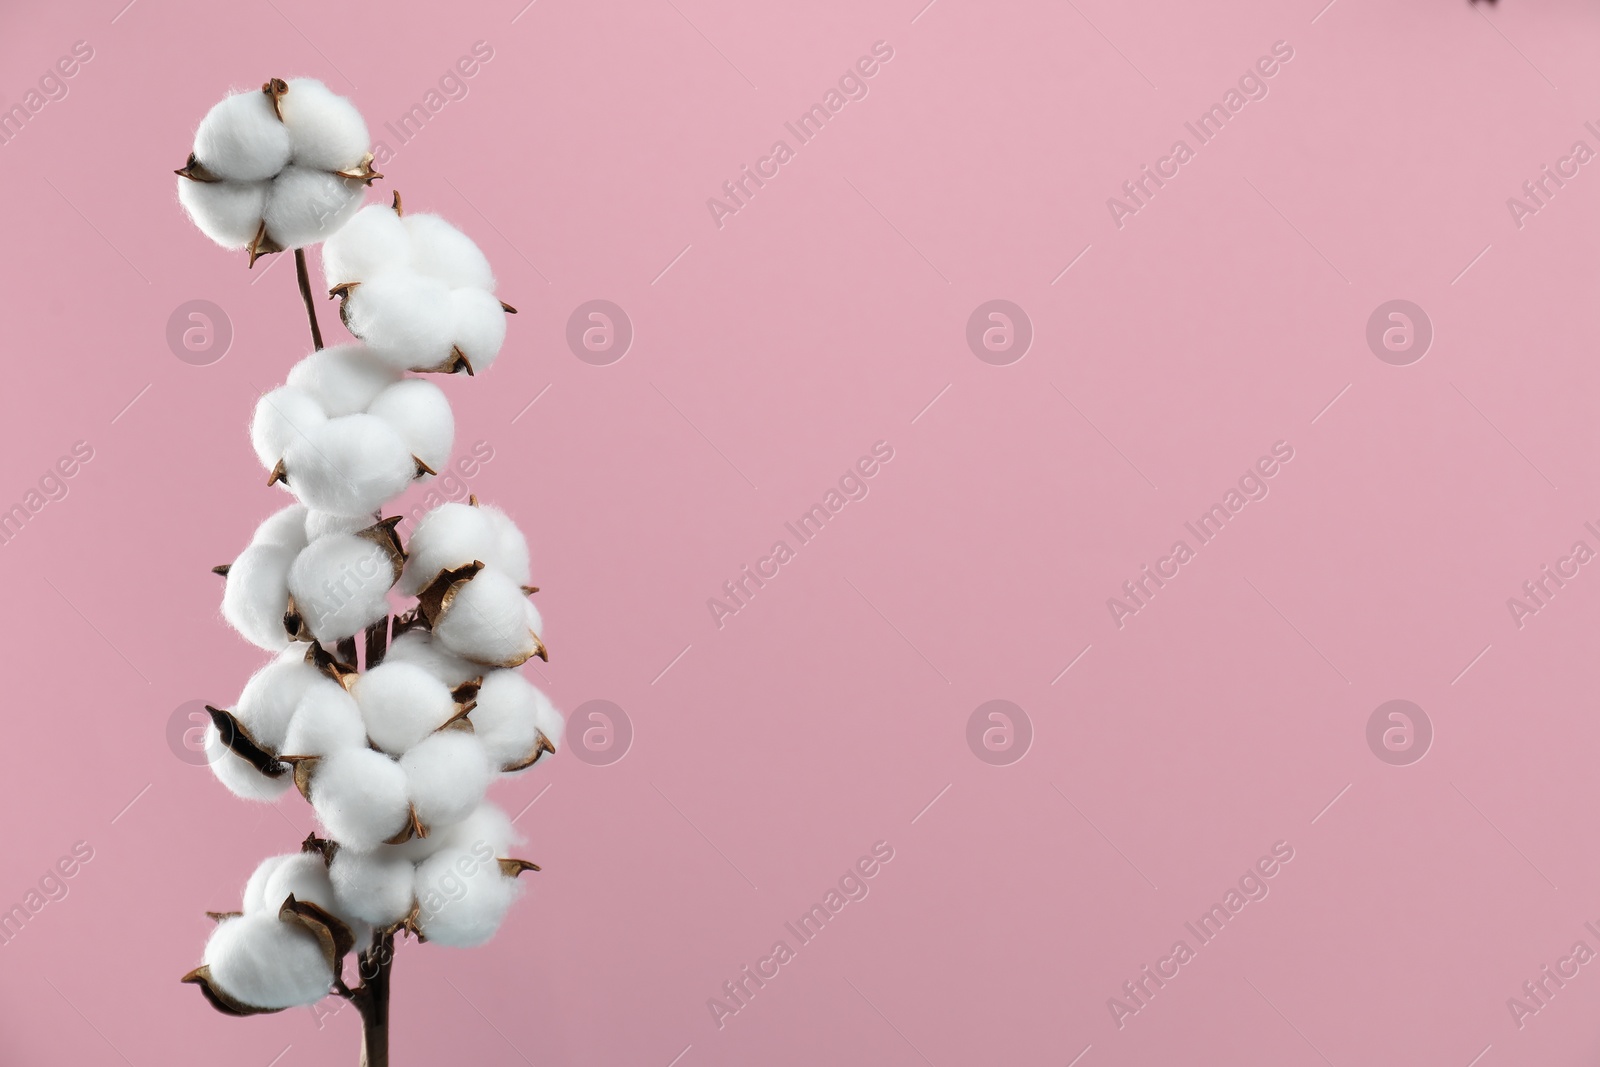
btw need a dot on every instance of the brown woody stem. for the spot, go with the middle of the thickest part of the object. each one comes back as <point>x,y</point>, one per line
<point>371,999</point>
<point>305,294</point>
<point>377,642</point>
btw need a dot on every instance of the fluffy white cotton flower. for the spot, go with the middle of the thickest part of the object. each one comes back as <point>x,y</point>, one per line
<point>462,896</point>
<point>446,776</point>
<point>511,716</point>
<point>263,962</point>
<point>490,620</point>
<point>416,290</point>
<point>420,414</point>
<point>255,595</point>
<point>342,379</point>
<point>286,527</point>
<point>488,827</point>
<point>278,168</point>
<point>304,875</point>
<point>255,890</point>
<point>401,703</point>
<point>349,465</point>
<point>340,584</point>
<point>282,417</point>
<point>419,647</point>
<point>322,523</point>
<point>268,701</point>
<point>376,886</point>
<point>360,796</point>
<point>454,535</point>
<point>325,721</point>
<point>237,774</point>
<point>511,547</point>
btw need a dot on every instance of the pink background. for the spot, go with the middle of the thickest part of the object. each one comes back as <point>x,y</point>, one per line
<point>825,316</point>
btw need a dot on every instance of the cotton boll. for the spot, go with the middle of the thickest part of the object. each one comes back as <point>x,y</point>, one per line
<point>320,524</point>
<point>487,830</point>
<point>511,548</point>
<point>343,379</point>
<point>241,139</point>
<point>450,536</point>
<point>420,414</point>
<point>407,320</point>
<point>419,647</point>
<point>305,206</point>
<point>462,897</point>
<point>227,212</point>
<point>269,699</point>
<point>284,416</point>
<point>371,241</point>
<point>325,721</point>
<point>509,716</point>
<point>446,774</point>
<point>375,887</point>
<point>349,465</point>
<point>326,131</point>
<point>480,326</point>
<point>255,888</point>
<point>285,527</point>
<point>489,620</point>
<point>401,703</point>
<point>360,796</point>
<point>237,775</point>
<point>440,250</point>
<point>264,962</point>
<point>256,592</point>
<point>340,584</point>
<point>304,875</point>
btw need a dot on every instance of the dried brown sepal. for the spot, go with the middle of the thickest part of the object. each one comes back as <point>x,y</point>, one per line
<point>467,692</point>
<point>412,828</point>
<point>472,498</point>
<point>294,623</point>
<point>196,171</point>
<point>530,589</point>
<point>408,620</point>
<point>382,533</point>
<point>457,361</point>
<point>280,473</point>
<point>241,744</point>
<point>340,671</point>
<point>330,931</point>
<point>222,569</point>
<point>435,600</point>
<point>399,209</point>
<point>362,171</point>
<point>276,89</point>
<point>304,768</point>
<point>540,747</point>
<point>219,916</point>
<point>262,245</point>
<point>460,715</point>
<point>422,467</point>
<point>513,868</point>
<point>538,648</point>
<point>507,308</point>
<point>410,924</point>
<point>343,290</point>
<point>320,845</point>
<point>201,976</point>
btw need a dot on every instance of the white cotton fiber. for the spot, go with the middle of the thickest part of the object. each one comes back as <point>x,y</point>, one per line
<point>349,465</point>
<point>325,721</point>
<point>266,963</point>
<point>401,703</point>
<point>407,320</point>
<point>374,239</point>
<point>268,700</point>
<point>490,620</point>
<point>420,414</point>
<point>487,830</point>
<point>360,796</point>
<point>446,774</point>
<point>282,417</point>
<point>227,212</point>
<point>450,536</point>
<point>343,379</point>
<point>340,584</point>
<point>255,593</point>
<point>462,897</point>
<point>241,139</point>
<point>320,524</point>
<point>511,548</point>
<point>304,875</point>
<point>509,717</point>
<point>441,251</point>
<point>419,647</point>
<point>255,888</point>
<point>326,131</point>
<point>479,326</point>
<point>238,775</point>
<point>376,886</point>
<point>286,527</point>
<point>305,206</point>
